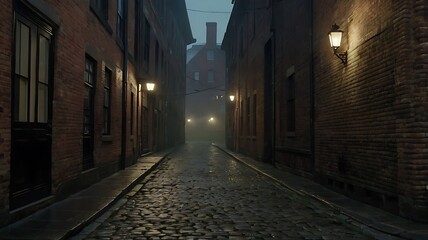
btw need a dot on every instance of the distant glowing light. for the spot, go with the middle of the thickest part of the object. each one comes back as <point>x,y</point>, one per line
<point>150,86</point>
<point>232,98</point>
<point>189,120</point>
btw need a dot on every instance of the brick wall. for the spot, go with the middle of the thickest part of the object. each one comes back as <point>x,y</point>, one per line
<point>370,114</point>
<point>293,57</point>
<point>412,108</point>
<point>5,99</point>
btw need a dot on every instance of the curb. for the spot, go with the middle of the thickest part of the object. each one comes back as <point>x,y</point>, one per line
<point>77,229</point>
<point>398,232</point>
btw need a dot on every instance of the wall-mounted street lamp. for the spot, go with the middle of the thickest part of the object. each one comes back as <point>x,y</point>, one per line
<point>150,86</point>
<point>335,36</point>
<point>232,98</point>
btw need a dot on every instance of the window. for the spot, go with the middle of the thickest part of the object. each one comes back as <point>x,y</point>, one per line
<point>291,126</point>
<point>196,76</point>
<point>210,77</point>
<point>248,115</point>
<point>146,42</point>
<point>241,42</point>
<point>120,28</point>
<point>157,59</point>
<point>88,113</point>
<point>90,72</point>
<point>255,115</point>
<point>32,69</point>
<point>138,48</point>
<point>132,113</point>
<point>107,101</point>
<point>100,8</point>
<point>210,55</point>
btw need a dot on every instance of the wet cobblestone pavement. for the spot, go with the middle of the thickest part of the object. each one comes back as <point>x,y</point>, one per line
<point>201,193</point>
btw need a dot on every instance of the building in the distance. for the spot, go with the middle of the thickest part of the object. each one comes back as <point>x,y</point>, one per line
<point>205,96</point>
<point>73,103</point>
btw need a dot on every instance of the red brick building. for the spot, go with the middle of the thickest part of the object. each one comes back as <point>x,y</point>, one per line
<point>358,126</point>
<point>205,99</point>
<point>73,108</point>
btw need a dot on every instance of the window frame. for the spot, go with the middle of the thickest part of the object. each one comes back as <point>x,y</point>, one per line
<point>108,77</point>
<point>291,103</point>
<point>196,76</point>
<point>120,24</point>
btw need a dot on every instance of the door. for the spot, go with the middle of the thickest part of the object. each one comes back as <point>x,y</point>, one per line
<point>31,112</point>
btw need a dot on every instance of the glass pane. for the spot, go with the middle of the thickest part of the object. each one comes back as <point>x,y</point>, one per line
<point>43,59</point>
<point>86,100</point>
<point>18,48</point>
<point>22,103</point>
<point>42,116</point>
<point>106,97</point>
<point>106,120</point>
<point>24,52</point>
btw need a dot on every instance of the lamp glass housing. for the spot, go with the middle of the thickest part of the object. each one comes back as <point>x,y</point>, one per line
<point>232,98</point>
<point>335,38</point>
<point>150,86</point>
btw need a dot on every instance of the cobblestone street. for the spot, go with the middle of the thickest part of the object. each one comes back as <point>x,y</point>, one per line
<point>201,193</point>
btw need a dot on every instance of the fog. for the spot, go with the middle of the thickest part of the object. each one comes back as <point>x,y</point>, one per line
<point>205,100</point>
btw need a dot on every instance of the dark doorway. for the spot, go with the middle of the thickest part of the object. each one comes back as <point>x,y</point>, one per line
<point>32,112</point>
<point>268,102</point>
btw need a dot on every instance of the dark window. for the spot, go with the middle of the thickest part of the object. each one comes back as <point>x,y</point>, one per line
<point>132,113</point>
<point>157,58</point>
<point>146,42</point>
<point>210,55</point>
<point>255,115</point>
<point>196,76</point>
<point>139,49</point>
<point>107,101</point>
<point>241,42</point>
<point>120,28</point>
<point>241,118</point>
<point>88,113</point>
<point>291,126</point>
<point>100,7</point>
<point>248,114</point>
<point>210,77</point>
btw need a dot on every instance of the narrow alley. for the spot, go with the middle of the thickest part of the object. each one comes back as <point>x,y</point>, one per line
<point>201,193</point>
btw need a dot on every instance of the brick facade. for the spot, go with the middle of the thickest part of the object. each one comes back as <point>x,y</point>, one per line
<point>5,110</point>
<point>81,30</point>
<point>360,128</point>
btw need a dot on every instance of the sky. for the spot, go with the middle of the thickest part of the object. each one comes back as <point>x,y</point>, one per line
<point>202,11</point>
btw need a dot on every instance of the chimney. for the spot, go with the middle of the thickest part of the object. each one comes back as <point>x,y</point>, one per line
<point>211,34</point>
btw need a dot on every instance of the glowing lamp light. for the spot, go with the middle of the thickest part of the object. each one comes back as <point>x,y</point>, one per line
<point>232,98</point>
<point>189,120</point>
<point>150,86</point>
<point>335,36</point>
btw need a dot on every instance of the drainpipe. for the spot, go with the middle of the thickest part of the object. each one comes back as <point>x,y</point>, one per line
<point>312,84</point>
<point>124,84</point>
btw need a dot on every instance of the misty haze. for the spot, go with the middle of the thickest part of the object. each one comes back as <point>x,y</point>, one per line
<point>213,119</point>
